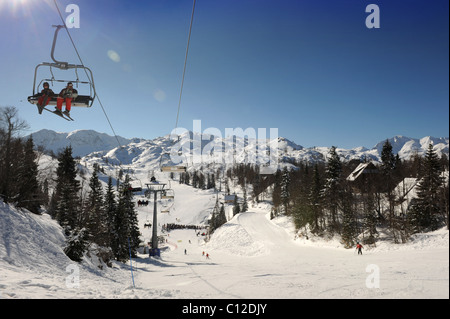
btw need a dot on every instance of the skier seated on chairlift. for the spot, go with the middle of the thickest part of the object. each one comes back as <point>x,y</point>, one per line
<point>66,95</point>
<point>45,95</point>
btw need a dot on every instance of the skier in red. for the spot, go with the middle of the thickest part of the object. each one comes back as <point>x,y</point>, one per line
<point>46,96</point>
<point>359,248</point>
<point>66,95</point>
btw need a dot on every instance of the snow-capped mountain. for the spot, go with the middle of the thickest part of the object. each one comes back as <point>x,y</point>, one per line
<point>197,149</point>
<point>83,142</point>
<point>406,147</point>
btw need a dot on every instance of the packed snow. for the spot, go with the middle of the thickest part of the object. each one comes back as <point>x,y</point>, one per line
<point>251,256</point>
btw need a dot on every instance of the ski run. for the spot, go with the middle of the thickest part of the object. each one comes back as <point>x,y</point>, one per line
<point>249,257</point>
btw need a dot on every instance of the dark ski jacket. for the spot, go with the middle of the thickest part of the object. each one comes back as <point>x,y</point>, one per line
<point>71,93</point>
<point>48,92</point>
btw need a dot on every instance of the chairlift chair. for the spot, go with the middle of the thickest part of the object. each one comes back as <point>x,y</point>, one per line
<point>80,100</point>
<point>167,165</point>
<point>168,194</point>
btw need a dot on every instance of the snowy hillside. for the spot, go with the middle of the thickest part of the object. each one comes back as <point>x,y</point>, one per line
<point>249,257</point>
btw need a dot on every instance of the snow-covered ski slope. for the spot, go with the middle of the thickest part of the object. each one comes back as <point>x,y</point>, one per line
<point>249,257</point>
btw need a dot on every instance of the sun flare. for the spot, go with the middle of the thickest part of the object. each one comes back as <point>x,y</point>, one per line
<point>13,5</point>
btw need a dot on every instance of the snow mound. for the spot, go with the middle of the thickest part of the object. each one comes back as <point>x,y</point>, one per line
<point>234,239</point>
<point>31,242</point>
<point>33,264</point>
<point>420,241</point>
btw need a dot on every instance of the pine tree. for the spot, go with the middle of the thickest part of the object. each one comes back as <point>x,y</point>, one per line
<point>276,192</point>
<point>388,165</point>
<point>425,212</point>
<point>221,218</point>
<point>236,207</point>
<point>30,194</point>
<point>388,160</point>
<point>316,201</point>
<point>110,209</point>
<point>370,219</point>
<point>65,203</point>
<point>95,211</point>
<point>332,188</point>
<point>285,194</point>
<point>245,204</point>
<point>126,231</point>
<point>76,244</point>
<point>349,226</point>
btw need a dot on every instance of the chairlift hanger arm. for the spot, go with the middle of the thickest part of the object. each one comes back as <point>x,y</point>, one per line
<point>61,65</point>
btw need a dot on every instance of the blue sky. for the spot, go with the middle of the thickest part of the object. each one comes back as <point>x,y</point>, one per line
<point>310,68</point>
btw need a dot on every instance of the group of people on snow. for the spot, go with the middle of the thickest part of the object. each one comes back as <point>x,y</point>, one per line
<point>65,96</point>
<point>142,203</point>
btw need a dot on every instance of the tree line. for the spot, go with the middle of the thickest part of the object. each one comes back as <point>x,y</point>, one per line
<point>106,218</point>
<point>323,202</point>
<point>18,164</point>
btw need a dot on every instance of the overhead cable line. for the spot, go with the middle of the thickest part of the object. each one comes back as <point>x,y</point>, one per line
<point>81,61</point>
<point>185,62</point>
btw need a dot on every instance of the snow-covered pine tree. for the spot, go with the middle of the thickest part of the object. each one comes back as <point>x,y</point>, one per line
<point>221,218</point>
<point>236,207</point>
<point>388,164</point>
<point>245,204</point>
<point>110,209</point>
<point>285,194</point>
<point>125,224</point>
<point>30,195</point>
<point>95,212</point>
<point>332,189</point>
<point>425,211</point>
<point>65,203</point>
<point>76,244</point>
<point>388,160</point>
<point>349,225</point>
<point>370,219</point>
<point>316,200</point>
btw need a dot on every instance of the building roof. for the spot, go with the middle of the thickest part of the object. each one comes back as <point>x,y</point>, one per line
<point>363,168</point>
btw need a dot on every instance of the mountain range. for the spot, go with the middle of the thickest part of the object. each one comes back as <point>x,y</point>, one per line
<point>149,152</point>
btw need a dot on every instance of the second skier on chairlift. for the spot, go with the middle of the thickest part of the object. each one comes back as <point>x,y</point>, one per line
<point>66,95</point>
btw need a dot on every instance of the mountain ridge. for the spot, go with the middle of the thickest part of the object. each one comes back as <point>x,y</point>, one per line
<point>85,142</point>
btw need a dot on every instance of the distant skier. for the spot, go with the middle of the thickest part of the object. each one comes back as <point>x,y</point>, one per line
<point>185,252</point>
<point>359,248</point>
